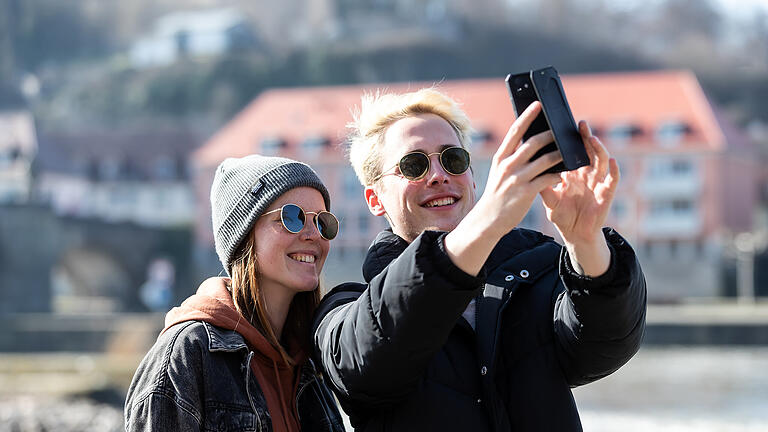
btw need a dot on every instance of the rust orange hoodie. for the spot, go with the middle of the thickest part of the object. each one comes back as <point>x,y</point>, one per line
<point>213,304</point>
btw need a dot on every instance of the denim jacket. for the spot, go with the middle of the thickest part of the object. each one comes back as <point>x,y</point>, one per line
<point>197,377</point>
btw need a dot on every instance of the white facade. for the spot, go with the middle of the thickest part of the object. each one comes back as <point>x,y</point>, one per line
<point>147,203</point>
<point>195,33</point>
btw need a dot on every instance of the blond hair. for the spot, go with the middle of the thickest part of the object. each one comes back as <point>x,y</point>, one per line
<point>249,301</point>
<point>380,110</point>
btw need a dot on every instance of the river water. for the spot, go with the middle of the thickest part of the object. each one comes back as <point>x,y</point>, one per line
<point>670,389</point>
<point>681,389</point>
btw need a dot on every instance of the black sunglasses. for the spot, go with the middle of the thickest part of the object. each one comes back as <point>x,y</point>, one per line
<point>294,218</point>
<point>415,165</point>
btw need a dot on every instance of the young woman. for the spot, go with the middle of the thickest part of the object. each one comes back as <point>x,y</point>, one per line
<point>235,356</point>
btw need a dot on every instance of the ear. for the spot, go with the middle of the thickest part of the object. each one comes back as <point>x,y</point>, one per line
<point>375,205</point>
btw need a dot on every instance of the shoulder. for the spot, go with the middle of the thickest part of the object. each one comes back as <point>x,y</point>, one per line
<point>178,350</point>
<point>184,336</point>
<point>174,358</point>
<point>339,295</point>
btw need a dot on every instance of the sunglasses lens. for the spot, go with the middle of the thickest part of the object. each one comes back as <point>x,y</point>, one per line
<point>414,165</point>
<point>328,225</point>
<point>455,160</point>
<point>293,218</point>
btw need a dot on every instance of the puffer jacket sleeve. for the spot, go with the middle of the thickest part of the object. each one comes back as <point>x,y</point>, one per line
<point>165,391</point>
<point>600,322</point>
<point>375,348</point>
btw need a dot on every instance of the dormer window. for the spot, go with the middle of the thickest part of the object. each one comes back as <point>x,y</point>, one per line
<point>672,132</point>
<point>272,146</point>
<point>480,137</point>
<point>623,133</point>
<point>314,146</point>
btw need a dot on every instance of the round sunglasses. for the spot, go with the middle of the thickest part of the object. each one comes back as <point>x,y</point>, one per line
<point>415,165</point>
<point>294,218</point>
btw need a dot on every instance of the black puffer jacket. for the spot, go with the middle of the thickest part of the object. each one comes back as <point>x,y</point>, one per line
<point>401,357</point>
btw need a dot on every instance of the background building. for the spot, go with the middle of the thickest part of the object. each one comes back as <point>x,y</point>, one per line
<point>688,176</point>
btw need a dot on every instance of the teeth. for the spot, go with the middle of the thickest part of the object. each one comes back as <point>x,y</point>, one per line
<point>441,202</point>
<point>303,258</point>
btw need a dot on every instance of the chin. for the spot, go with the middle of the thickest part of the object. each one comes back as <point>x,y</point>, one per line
<point>307,286</point>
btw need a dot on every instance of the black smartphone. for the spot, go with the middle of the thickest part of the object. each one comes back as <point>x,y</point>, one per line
<point>544,85</point>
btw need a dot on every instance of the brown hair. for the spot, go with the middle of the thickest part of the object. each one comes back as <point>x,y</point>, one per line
<point>249,301</point>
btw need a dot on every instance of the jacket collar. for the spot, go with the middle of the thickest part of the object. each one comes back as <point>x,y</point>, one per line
<point>387,246</point>
<point>220,339</point>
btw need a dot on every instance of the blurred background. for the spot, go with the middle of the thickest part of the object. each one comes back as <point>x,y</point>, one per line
<point>114,114</point>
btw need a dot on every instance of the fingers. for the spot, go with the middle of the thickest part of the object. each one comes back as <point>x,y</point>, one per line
<point>515,133</point>
<point>545,184</point>
<point>541,164</point>
<point>525,152</point>
<point>614,175</point>
<point>586,135</point>
<point>598,154</point>
<point>602,158</point>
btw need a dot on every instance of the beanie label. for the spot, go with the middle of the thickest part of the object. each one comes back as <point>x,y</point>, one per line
<point>255,189</point>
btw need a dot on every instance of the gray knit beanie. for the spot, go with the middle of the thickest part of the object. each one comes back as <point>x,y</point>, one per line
<point>243,188</point>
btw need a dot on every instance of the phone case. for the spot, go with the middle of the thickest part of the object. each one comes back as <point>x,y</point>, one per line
<point>544,85</point>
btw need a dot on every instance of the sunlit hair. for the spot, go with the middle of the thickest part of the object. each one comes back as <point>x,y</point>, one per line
<point>380,110</point>
<point>249,301</point>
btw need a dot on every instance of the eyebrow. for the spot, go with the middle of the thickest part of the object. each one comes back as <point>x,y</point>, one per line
<point>442,147</point>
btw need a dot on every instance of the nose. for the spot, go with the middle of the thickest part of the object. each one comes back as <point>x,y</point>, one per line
<point>310,231</point>
<point>436,174</point>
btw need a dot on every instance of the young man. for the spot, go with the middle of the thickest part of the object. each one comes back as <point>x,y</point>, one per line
<point>466,322</point>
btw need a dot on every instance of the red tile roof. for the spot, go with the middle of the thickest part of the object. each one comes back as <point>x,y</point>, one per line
<point>644,99</point>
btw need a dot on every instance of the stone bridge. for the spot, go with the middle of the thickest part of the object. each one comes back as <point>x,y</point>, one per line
<point>42,254</point>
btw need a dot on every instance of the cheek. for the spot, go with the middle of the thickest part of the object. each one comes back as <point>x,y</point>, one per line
<point>269,250</point>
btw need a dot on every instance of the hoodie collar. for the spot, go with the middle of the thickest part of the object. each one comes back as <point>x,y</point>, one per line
<point>228,329</point>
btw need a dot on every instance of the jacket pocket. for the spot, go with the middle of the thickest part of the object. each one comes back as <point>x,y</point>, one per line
<point>221,417</point>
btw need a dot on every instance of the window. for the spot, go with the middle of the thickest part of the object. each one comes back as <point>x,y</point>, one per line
<point>272,146</point>
<point>672,208</point>
<point>623,133</point>
<point>480,137</point>
<point>619,209</point>
<point>668,167</point>
<point>352,187</point>
<point>363,221</point>
<point>672,132</point>
<point>110,169</point>
<point>680,167</point>
<point>314,146</point>
<point>164,168</point>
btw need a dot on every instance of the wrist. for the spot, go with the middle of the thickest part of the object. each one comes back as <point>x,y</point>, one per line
<point>471,242</point>
<point>590,258</point>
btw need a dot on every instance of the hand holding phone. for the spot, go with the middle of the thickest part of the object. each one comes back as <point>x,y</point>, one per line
<point>545,86</point>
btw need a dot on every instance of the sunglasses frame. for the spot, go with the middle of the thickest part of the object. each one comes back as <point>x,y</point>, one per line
<point>429,164</point>
<point>315,220</point>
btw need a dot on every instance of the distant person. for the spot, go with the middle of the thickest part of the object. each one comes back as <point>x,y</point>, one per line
<point>235,356</point>
<point>465,322</point>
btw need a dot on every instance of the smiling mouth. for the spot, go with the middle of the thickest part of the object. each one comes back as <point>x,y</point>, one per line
<point>303,258</point>
<point>440,202</point>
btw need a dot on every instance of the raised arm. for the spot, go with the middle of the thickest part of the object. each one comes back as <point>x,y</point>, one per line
<point>375,348</point>
<point>600,318</point>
